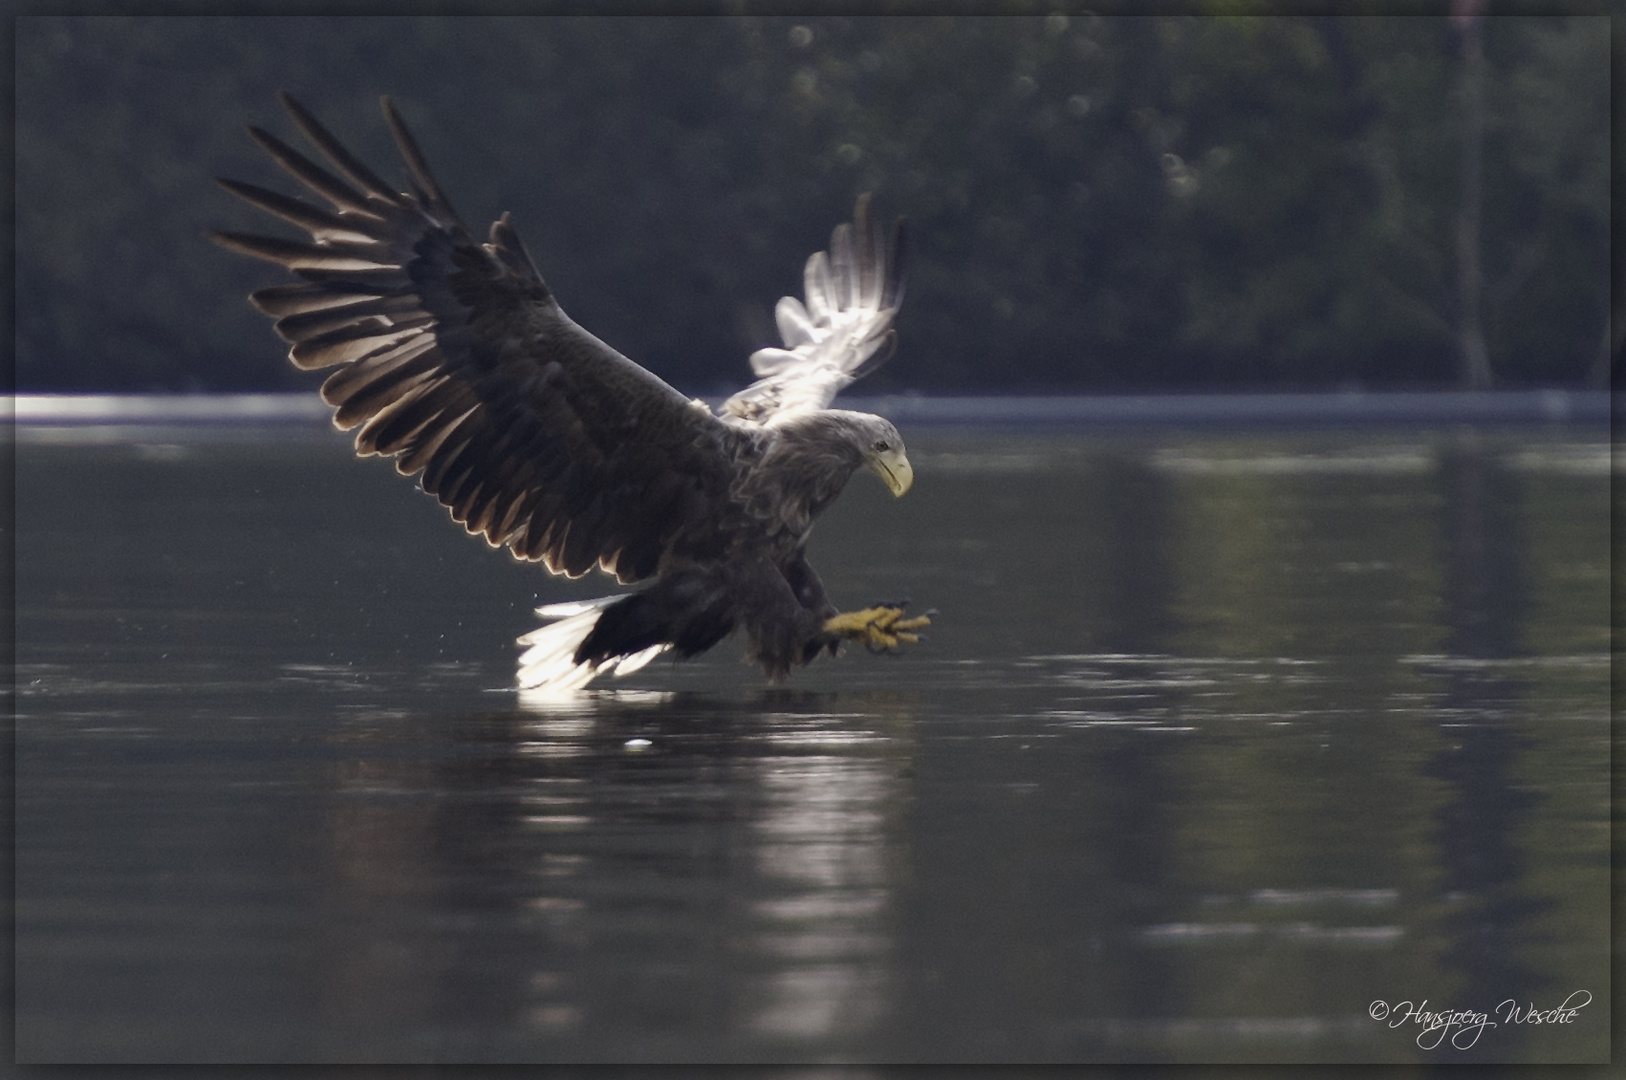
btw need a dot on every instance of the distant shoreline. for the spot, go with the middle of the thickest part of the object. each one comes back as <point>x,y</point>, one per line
<point>1541,406</point>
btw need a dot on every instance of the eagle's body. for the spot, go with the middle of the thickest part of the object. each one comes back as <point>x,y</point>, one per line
<point>454,358</point>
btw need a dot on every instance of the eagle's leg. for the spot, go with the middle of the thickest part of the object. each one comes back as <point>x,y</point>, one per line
<point>878,628</point>
<point>816,606</point>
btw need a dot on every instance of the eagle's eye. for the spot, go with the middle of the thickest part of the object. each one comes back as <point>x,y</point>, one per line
<point>882,446</point>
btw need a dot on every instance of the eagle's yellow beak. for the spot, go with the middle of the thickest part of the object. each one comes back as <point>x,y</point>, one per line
<point>894,470</point>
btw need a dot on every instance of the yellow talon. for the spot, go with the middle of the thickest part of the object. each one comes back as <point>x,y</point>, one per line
<point>878,628</point>
<point>855,623</point>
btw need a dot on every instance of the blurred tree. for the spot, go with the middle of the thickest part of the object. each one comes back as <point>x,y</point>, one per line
<point>1096,202</point>
<point>1468,20</point>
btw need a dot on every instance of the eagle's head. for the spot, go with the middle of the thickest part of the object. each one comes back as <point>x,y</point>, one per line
<point>824,447</point>
<point>884,456</point>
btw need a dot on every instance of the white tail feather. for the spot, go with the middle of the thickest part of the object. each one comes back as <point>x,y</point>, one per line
<point>549,662</point>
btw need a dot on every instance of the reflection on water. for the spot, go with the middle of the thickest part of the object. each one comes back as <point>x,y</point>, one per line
<point>1218,742</point>
<point>653,889</point>
<point>819,851</point>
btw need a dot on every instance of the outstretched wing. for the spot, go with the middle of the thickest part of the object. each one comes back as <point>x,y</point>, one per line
<point>455,359</point>
<point>842,333</point>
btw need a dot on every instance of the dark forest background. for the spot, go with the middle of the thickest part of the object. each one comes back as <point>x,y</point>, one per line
<point>1097,203</point>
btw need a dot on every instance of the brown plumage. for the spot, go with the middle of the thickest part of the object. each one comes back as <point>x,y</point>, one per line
<point>454,358</point>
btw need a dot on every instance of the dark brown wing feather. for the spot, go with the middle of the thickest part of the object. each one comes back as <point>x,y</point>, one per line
<point>454,358</point>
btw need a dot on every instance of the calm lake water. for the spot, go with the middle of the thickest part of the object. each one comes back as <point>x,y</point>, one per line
<point>1225,746</point>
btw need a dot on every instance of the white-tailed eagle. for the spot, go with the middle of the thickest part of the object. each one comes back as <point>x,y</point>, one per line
<point>454,358</point>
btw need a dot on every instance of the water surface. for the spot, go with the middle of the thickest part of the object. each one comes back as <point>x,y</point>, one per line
<point>1219,742</point>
